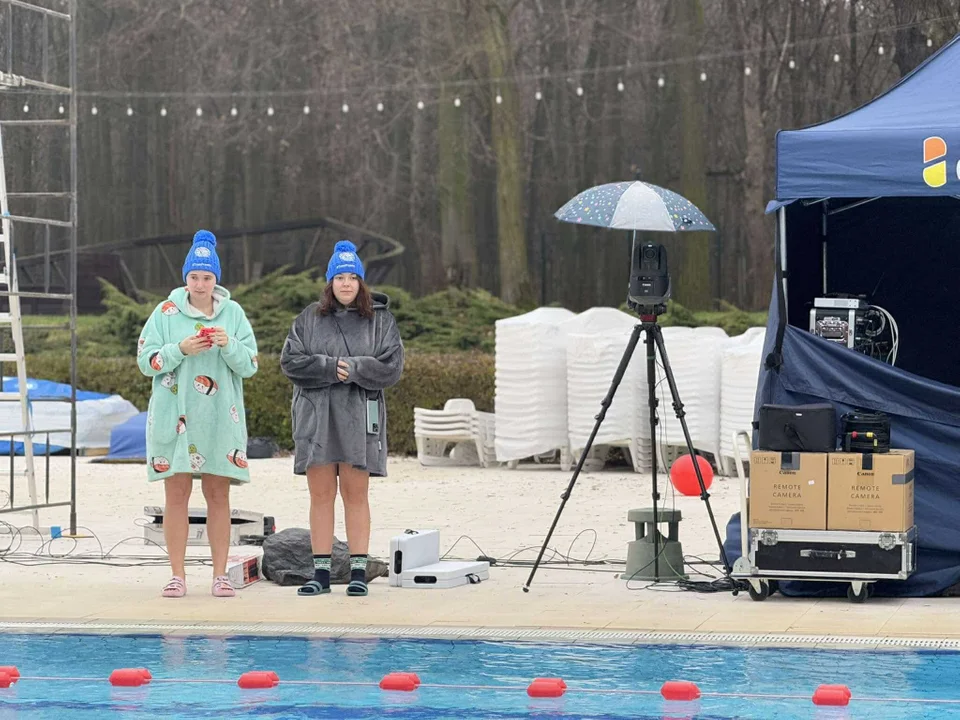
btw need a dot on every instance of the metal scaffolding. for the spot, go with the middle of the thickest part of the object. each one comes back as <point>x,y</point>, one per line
<point>12,81</point>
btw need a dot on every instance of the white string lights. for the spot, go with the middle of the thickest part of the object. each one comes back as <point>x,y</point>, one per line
<point>309,98</point>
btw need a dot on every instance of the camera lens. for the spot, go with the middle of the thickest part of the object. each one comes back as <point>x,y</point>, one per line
<point>649,253</point>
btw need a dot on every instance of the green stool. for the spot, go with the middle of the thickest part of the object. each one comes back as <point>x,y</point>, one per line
<point>640,552</point>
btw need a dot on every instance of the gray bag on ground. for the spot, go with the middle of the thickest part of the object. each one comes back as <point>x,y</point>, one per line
<point>288,560</point>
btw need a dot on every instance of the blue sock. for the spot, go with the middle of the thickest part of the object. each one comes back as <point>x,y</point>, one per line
<point>321,570</point>
<point>358,568</point>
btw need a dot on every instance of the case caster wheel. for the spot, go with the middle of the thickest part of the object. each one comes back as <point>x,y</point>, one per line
<point>858,592</point>
<point>762,594</point>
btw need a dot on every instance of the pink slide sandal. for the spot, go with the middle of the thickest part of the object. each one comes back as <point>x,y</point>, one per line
<point>176,588</point>
<point>222,587</point>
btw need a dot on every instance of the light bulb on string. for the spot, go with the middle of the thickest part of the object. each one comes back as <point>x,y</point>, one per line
<point>129,111</point>
<point>93,110</point>
<point>270,111</point>
<point>233,112</point>
<point>60,109</point>
<point>836,57</point>
<point>661,82</point>
<point>420,105</point>
<point>499,98</point>
<point>379,107</point>
<point>163,112</point>
<point>456,102</point>
<point>579,91</point>
<point>929,42</point>
<point>306,109</point>
<point>620,86</point>
<point>747,71</point>
<point>792,64</point>
<point>703,77</point>
<point>344,108</point>
<point>880,50</point>
<point>199,112</point>
<point>26,108</point>
<point>538,95</point>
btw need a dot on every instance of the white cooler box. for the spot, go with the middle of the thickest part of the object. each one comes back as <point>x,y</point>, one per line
<point>415,563</point>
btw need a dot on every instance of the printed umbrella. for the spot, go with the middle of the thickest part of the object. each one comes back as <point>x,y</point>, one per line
<point>634,205</point>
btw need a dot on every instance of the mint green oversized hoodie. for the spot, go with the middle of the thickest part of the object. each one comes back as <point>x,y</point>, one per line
<point>196,421</point>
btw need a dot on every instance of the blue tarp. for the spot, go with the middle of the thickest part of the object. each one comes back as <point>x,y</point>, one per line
<point>877,149</point>
<point>128,440</point>
<point>899,251</point>
<point>37,389</point>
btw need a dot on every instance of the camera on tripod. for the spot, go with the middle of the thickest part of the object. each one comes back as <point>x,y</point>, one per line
<point>649,287</point>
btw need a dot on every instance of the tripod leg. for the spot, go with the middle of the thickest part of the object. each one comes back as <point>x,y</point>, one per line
<point>652,403</point>
<point>678,407</point>
<point>604,405</point>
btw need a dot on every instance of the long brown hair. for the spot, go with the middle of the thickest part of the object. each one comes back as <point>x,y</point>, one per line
<point>363,302</point>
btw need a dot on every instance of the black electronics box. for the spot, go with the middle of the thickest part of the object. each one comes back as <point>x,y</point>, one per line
<point>797,554</point>
<point>797,428</point>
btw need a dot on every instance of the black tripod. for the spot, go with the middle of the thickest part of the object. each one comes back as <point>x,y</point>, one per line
<point>654,342</point>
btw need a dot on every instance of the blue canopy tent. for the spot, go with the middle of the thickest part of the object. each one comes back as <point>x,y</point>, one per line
<point>869,204</point>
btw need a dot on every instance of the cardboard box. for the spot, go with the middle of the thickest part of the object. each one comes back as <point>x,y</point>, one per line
<point>243,570</point>
<point>871,491</point>
<point>788,490</point>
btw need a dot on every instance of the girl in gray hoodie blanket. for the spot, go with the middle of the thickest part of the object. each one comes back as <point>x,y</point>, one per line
<point>340,354</point>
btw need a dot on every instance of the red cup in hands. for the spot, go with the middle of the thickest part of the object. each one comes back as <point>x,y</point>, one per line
<point>206,332</point>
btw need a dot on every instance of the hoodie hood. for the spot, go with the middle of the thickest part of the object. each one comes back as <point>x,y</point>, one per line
<point>220,297</point>
<point>380,300</point>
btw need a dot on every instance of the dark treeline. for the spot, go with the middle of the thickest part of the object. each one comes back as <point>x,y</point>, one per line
<point>456,126</point>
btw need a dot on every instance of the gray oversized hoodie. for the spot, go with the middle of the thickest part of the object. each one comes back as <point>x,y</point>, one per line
<point>330,416</point>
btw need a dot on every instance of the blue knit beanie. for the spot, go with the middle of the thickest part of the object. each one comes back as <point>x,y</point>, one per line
<point>344,260</point>
<point>203,255</point>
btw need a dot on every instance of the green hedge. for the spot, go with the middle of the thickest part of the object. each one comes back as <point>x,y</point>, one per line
<point>428,381</point>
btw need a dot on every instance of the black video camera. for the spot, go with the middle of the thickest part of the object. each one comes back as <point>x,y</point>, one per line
<point>649,287</point>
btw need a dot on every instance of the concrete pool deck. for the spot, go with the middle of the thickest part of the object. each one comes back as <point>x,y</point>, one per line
<point>505,512</point>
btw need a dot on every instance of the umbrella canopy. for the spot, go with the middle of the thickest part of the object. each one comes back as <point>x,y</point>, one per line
<point>634,205</point>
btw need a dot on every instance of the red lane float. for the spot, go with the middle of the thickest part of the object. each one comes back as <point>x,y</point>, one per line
<point>680,690</point>
<point>130,677</point>
<point>258,680</point>
<point>8,675</point>
<point>546,687</point>
<point>400,681</point>
<point>836,695</point>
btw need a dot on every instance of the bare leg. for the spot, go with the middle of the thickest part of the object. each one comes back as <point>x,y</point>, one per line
<point>216,491</point>
<point>322,482</point>
<point>354,489</point>
<point>177,489</point>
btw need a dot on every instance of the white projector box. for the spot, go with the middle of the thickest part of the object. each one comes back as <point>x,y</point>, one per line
<point>242,522</point>
<point>415,563</point>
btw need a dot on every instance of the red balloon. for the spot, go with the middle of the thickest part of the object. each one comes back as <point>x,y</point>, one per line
<point>684,476</point>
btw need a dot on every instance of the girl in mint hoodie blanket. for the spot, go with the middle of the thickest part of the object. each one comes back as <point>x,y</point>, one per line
<point>198,347</point>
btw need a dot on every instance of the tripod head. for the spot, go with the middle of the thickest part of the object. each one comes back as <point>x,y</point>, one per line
<point>649,287</point>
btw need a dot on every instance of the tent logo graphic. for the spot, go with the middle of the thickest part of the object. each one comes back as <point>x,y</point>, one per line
<point>935,148</point>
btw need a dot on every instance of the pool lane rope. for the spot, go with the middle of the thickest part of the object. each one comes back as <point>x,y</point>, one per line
<point>541,687</point>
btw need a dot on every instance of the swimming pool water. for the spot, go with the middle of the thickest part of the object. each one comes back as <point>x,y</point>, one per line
<point>887,674</point>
